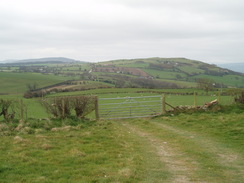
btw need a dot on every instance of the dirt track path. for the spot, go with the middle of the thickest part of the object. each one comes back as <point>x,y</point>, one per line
<point>185,168</point>
<point>224,156</point>
<point>182,169</point>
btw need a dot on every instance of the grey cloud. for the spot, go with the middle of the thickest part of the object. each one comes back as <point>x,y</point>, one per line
<point>107,29</point>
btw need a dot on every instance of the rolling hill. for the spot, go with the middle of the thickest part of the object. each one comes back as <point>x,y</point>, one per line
<point>42,60</point>
<point>180,71</point>
<point>155,73</point>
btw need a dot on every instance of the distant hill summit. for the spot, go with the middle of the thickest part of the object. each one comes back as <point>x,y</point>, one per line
<point>44,60</point>
<point>182,72</point>
<point>180,65</point>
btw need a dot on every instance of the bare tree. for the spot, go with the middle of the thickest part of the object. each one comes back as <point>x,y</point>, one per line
<point>32,87</point>
<point>205,84</point>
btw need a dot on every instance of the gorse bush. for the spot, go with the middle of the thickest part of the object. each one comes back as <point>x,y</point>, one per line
<point>62,107</point>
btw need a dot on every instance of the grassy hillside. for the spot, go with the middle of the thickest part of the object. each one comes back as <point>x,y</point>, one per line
<point>228,80</point>
<point>157,73</point>
<point>176,69</point>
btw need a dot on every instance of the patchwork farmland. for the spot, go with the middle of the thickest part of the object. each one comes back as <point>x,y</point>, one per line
<point>50,130</point>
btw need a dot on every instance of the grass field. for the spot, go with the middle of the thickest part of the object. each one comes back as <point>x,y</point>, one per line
<point>16,82</point>
<point>203,147</point>
<point>230,80</point>
<point>164,74</point>
<point>191,70</point>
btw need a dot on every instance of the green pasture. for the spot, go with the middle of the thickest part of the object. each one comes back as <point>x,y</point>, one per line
<point>112,74</point>
<point>191,70</point>
<point>8,69</point>
<point>182,84</point>
<point>85,85</point>
<point>32,108</point>
<point>16,82</point>
<point>230,80</point>
<point>136,65</point>
<point>164,74</point>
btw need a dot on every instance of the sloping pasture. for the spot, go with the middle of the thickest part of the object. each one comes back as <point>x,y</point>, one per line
<point>12,83</point>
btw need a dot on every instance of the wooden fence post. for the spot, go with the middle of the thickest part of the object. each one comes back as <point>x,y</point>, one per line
<point>96,108</point>
<point>219,97</point>
<point>163,104</point>
<point>21,109</point>
<point>63,108</point>
<point>195,99</point>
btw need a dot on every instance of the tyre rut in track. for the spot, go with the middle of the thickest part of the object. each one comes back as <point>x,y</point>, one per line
<point>182,168</point>
<point>225,156</point>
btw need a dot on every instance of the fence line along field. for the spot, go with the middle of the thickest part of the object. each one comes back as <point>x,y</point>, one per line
<point>36,110</point>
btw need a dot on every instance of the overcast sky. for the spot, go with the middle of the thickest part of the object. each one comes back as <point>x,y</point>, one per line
<point>97,30</point>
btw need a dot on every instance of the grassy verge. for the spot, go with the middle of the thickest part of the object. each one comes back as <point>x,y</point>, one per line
<point>101,152</point>
<point>226,126</point>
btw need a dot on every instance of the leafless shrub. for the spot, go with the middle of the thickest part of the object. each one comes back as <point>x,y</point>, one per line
<point>62,107</point>
<point>5,105</point>
<point>83,105</point>
<point>59,107</point>
<point>50,107</point>
<point>240,98</point>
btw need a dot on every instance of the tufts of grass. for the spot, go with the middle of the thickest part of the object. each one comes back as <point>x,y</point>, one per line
<point>101,152</point>
<point>36,126</point>
<point>224,123</point>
